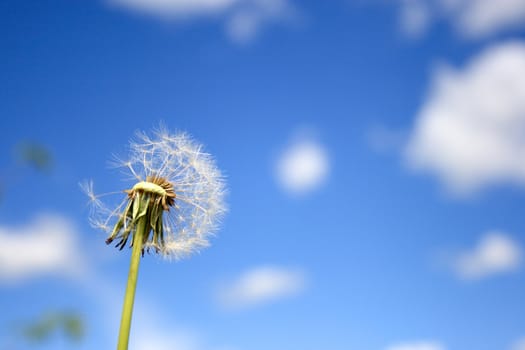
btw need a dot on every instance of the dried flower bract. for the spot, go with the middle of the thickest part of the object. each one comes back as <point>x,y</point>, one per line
<point>177,193</point>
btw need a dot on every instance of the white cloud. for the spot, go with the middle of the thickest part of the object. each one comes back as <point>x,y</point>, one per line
<point>418,345</point>
<point>244,19</point>
<point>470,130</point>
<point>303,166</point>
<point>46,245</point>
<point>471,18</point>
<point>261,285</point>
<point>495,253</point>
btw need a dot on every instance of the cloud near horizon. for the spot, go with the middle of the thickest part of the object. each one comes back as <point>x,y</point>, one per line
<point>417,345</point>
<point>158,337</point>
<point>46,245</point>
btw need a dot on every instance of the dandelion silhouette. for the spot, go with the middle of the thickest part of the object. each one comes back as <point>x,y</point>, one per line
<point>173,207</point>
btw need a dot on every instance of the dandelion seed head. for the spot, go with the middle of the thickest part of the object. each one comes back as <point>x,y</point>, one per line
<point>183,190</point>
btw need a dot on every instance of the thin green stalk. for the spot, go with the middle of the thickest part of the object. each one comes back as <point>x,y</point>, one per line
<point>129,298</point>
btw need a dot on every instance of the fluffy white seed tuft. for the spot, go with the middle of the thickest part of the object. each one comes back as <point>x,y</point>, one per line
<point>197,182</point>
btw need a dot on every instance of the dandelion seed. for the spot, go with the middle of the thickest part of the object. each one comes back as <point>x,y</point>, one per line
<point>179,191</point>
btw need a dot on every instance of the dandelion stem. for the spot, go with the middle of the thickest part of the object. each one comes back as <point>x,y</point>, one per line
<point>129,298</point>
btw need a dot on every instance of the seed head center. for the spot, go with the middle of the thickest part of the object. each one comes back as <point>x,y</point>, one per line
<point>150,187</point>
<point>159,187</point>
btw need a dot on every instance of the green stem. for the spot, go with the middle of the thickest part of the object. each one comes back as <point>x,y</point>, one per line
<point>129,298</point>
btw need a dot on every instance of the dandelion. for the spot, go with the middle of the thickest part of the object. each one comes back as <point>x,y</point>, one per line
<point>171,209</point>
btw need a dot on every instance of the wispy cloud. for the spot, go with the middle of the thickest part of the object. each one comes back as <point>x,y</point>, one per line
<point>519,344</point>
<point>153,326</point>
<point>244,19</point>
<point>261,285</point>
<point>175,8</point>
<point>248,20</point>
<point>414,18</point>
<point>48,244</point>
<point>154,331</point>
<point>417,345</point>
<point>303,166</point>
<point>495,253</point>
<point>154,336</point>
<point>470,129</point>
<point>470,18</point>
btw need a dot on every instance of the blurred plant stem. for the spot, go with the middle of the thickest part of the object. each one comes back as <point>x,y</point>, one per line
<point>129,298</point>
<point>44,327</point>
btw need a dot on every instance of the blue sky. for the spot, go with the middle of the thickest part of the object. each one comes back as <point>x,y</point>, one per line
<point>373,153</point>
